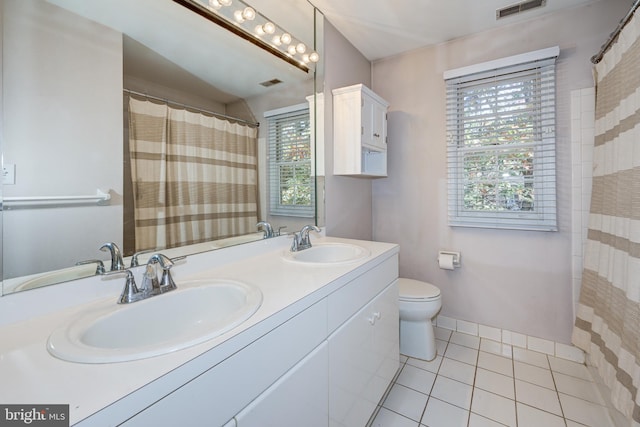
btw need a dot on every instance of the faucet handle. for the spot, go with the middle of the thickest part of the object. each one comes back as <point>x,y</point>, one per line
<point>166,282</point>
<point>99,267</point>
<point>279,232</point>
<point>130,292</point>
<point>134,257</point>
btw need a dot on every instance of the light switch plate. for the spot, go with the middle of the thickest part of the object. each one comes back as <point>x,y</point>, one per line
<point>9,174</point>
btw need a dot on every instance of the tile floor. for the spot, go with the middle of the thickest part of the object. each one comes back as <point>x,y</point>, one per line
<point>475,382</point>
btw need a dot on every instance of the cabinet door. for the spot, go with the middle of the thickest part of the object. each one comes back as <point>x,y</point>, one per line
<point>379,127</point>
<point>299,398</point>
<point>374,123</point>
<point>363,359</point>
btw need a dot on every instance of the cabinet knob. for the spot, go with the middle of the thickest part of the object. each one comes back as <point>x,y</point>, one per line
<point>377,135</point>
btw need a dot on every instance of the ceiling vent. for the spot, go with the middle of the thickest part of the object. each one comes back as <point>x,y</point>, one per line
<point>519,8</point>
<point>271,82</point>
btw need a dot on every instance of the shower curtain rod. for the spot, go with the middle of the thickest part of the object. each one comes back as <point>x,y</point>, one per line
<point>220,115</point>
<point>613,36</point>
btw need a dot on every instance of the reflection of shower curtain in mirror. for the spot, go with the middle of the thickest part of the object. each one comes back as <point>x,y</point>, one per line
<point>195,177</point>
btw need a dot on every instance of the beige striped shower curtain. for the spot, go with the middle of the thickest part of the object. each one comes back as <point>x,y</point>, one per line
<point>195,177</point>
<point>607,325</point>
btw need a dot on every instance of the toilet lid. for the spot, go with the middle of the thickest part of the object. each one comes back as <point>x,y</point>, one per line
<point>415,289</point>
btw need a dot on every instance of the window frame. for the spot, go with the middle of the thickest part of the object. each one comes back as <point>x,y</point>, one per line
<point>276,118</point>
<point>495,75</point>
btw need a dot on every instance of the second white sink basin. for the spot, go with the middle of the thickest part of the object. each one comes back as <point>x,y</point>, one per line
<point>197,311</point>
<point>328,254</point>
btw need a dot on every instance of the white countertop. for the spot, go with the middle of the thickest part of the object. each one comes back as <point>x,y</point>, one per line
<point>30,375</point>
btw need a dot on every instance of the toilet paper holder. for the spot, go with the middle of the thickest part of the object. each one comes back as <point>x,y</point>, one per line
<point>454,255</point>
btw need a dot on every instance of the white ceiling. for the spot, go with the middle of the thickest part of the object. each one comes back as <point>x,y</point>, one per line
<point>383,28</point>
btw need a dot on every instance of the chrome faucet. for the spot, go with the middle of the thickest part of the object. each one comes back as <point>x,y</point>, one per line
<point>150,284</point>
<point>99,267</point>
<point>130,292</point>
<point>301,239</point>
<point>266,229</point>
<point>166,283</point>
<point>116,256</point>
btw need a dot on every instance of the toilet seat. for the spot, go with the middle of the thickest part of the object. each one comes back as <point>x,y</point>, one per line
<point>415,290</point>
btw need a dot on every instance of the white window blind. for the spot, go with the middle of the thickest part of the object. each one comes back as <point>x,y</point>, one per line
<point>291,183</point>
<point>501,145</point>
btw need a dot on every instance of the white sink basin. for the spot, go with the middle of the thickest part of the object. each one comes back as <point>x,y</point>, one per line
<point>57,276</point>
<point>328,254</point>
<point>197,311</point>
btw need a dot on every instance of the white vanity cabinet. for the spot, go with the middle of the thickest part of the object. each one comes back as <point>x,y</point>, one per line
<point>364,350</point>
<point>327,365</point>
<point>359,132</point>
<point>299,398</point>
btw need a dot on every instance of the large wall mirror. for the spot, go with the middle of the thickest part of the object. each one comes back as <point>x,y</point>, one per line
<point>80,78</point>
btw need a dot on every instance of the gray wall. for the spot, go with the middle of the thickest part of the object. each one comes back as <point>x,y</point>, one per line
<point>515,280</point>
<point>348,200</point>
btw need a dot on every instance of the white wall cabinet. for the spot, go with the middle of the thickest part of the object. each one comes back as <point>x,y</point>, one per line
<point>359,132</point>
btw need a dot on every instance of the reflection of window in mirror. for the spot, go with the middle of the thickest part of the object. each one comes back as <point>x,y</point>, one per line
<point>291,184</point>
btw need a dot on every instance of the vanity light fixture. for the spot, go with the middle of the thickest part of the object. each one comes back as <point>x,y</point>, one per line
<point>246,22</point>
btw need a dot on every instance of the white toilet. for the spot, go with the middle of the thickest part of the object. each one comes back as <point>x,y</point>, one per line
<point>419,302</point>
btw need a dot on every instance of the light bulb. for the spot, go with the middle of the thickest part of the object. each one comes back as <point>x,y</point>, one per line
<point>301,48</point>
<point>305,58</point>
<point>269,27</point>
<point>215,4</point>
<point>291,49</point>
<point>285,38</point>
<point>314,57</point>
<point>225,2</point>
<point>276,40</point>
<point>238,15</point>
<point>249,13</point>
<point>259,30</point>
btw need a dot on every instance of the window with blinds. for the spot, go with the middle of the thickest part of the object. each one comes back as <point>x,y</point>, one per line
<point>291,183</point>
<point>501,143</point>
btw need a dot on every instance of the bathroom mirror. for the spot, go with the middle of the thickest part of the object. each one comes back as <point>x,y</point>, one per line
<point>67,67</point>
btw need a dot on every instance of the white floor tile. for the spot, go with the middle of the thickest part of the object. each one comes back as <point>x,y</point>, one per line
<point>532,417</point>
<point>577,387</point>
<point>587,413</point>
<point>466,340</point>
<point>458,371</point>
<point>441,346</point>
<point>494,407</point>
<point>495,363</point>
<point>387,418</point>
<point>462,354</point>
<point>568,367</point>
<point>495,383</point>
<point>442,334</point>
<point>443,414</point>
<point>530,357</point>
<point>406,401</point>
<point>533,374</point>
<point>573,423</point>
<point>451,391</point>
<point>416,379</point>
<point>431,366</point>
<point>538,397</point>
<point>496,347</point>
<point>476,420</point>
